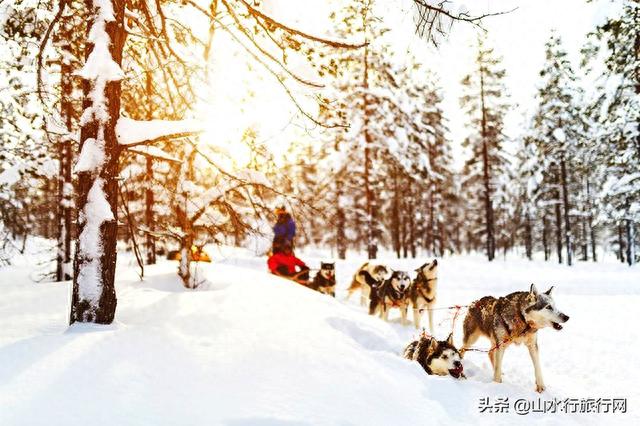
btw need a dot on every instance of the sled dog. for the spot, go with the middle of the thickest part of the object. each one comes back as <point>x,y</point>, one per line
<point>368,276</point>
<point>392,293</point>
<point>436,357</point>
<point>514,318</point>
<point>325,279</point>
<point>423,292</point>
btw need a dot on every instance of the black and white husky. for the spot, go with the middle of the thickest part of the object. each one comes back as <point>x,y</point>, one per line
<point>393,293</point>
<point>436,357</point>
<point>325,279</point>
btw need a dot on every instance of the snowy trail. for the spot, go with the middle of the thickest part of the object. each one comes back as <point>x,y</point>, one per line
<point>254,349</point>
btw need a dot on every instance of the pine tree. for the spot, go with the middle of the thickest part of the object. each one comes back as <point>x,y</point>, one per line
<point>617,112</point>
<point>484,102</point>
<point>559,128</point>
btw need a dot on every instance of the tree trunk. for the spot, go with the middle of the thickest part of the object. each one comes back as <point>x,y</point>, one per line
<point>149,220</point>
<point>592,232</point>
<point>490,237</point>
<point>372,248</point>
<point>412,226</point>
<point>186,243</point>
<point>94,295</point>
<point>584,240</point>
<point>565,201</point>
<point>395,214</point>
<point>431,238</point>
<point>545,243</point>
<point>558,220</point>
<point>341,241</point>
<point>630,238</point>
<point>65,155</point>
<point>594,256</point>
<point>620,243</point>
<point>148,214</point>
<point>528,244</point>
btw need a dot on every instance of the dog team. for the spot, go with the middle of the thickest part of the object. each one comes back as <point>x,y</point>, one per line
<point>514,318</point>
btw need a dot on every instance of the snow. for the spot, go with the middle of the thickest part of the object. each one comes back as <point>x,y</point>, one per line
<point>130,132</point>
<point>250,348</point>
<point>560,135</point>
<point>91,156</point>
<point>96,212</point>
<point>11,175</point>
<point>100,66</point>
<point>155,152</point>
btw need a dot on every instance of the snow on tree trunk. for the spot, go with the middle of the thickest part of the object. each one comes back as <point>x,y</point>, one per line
<point>94,297</point>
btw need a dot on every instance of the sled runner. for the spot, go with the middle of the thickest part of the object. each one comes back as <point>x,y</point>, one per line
<point>301,277</point>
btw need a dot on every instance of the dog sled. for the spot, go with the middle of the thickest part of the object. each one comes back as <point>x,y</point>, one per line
<point>301,277</point>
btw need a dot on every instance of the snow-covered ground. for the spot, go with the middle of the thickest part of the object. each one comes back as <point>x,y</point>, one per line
<point>251,349</point>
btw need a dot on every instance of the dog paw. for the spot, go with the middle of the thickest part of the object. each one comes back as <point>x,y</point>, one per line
<point>540,388</point>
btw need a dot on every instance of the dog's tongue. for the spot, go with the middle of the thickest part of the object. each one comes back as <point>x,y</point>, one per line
<point>456,372</point>
<point>557,326</point>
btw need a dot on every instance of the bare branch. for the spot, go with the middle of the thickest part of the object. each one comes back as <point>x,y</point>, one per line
<point>271,21</point>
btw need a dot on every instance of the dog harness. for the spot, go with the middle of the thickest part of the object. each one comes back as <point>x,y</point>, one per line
<point>420,278</point>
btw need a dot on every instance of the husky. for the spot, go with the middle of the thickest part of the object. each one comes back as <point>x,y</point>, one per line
<point>325,279</point>
<point>393,293</point>
<point>423,292</point>
<point>368,276</point>
<point>436,357</point>
<point>514,318</point>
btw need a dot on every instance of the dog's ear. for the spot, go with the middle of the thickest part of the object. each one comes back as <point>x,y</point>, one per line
<point>548,292</point>
<point>450,339</point>
<point>433,345</point>
<point>533,290</point>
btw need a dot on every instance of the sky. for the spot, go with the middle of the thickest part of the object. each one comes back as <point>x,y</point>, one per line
<point>238,95</point>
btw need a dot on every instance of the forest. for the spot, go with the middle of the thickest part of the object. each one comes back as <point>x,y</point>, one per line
<point>103,148</point>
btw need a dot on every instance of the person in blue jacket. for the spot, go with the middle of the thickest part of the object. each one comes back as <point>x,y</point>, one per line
<point>285,228</point>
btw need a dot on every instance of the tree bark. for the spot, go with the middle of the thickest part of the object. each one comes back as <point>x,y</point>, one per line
<point>558,218</point>
<point>528,244</point>
<point>65,155</point>
<point>592,232</point>
<point>412,226</point>
<point>341,243</point>
<point>431,238</point>
<point>545,243</point>
<point>565,201</point>
<point>620,243</point>
<point>101,309</point>
<point>150,241</point>
<point>488,205</point>
<point>630,237</point>
<point>584,240</point>
<point>395,214</point>
<point>372,248</point>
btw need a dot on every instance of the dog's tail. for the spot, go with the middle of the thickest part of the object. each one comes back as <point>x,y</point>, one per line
<point>410,350</point>
<point>470,328</point>
<point>355,284</point>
